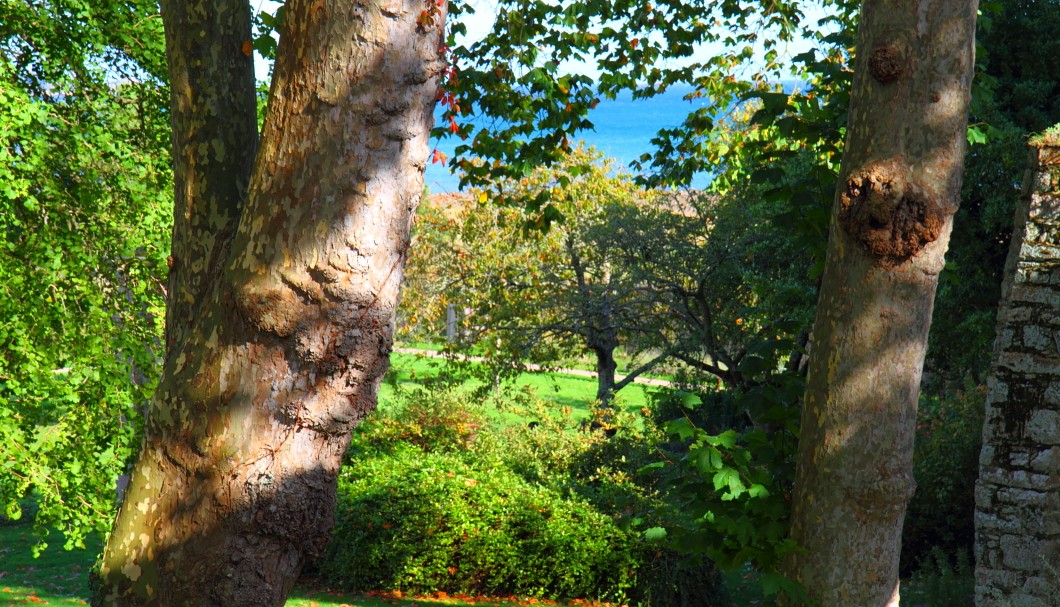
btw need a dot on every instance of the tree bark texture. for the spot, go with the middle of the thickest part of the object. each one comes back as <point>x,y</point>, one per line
<point>1017,519</point>
<point>891,220</point>
<point>285,324</point>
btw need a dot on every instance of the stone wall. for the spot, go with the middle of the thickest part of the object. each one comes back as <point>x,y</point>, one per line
<point>1018,494</point>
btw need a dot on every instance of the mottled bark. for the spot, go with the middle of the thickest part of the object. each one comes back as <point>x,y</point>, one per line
<point>899,187</point>
<point>215,137</point>
<point>283,348</point>
<point>1017,519</point>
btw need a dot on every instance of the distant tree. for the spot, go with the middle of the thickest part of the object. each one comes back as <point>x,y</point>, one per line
<point>723,279</point>
<point>533,295</point>
<point>701,278</point>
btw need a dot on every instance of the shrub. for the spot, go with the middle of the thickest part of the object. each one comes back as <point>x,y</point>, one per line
<point>945,466</point>
<point>421,522</point>
<point>674,580</point>
<point>443,492</point>
<point>942,583</point>
<point>438,494</point>
<point>729,491</point>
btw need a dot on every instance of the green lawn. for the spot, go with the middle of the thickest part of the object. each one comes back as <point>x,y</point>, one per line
<point>565,390</point>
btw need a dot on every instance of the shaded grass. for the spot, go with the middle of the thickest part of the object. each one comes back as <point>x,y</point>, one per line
<point>58,578</point>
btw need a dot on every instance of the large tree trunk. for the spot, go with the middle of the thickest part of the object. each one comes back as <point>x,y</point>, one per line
<point>283,292</point>
<point>1017,527</point>
<point>899,188</point>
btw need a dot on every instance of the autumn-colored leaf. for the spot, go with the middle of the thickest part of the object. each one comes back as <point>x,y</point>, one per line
<point>248,48</point>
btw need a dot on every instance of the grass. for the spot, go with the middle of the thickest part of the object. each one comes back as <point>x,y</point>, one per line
<point>565,390</point>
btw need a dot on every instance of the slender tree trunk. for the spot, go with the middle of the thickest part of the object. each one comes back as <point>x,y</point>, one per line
<point>899,187</point>
<point>282,299</point>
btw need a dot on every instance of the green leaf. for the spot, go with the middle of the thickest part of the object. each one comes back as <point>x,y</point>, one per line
<point>681,427</point>
<point>13,511</point>
<point>655,534</point>
<point>976,135</point>
<point>727,439</point>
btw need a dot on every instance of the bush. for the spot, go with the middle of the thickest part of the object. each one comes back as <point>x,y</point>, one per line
<point>510,496</point>
<point>942,583</point>
<point>439,494</point>
<point>674,580</point>
<point>941,515</point>
<point>422,522</point>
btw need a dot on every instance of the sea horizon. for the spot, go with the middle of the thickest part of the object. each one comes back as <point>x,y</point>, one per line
<point>623,130</point>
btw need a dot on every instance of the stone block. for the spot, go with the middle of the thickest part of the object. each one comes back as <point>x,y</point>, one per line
<point>1046,461</point>
<point>996,524</point>
<point>1039,339</point>
<point>1014,314</point>
<point>1022,553</point>
<point>1052,393</point>
<point>997,390</point>
<point>1044,207</point>
<point>1005,339</point>
<point>1035,293</point>
<point>1051,526</point>
<point>1044,427</point>
<point>1037,274</point>
<point>987,454</point>
<point>1017,485</point>
<point>1030,364</point>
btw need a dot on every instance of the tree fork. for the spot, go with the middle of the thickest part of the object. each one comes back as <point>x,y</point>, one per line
<point>280,351</point>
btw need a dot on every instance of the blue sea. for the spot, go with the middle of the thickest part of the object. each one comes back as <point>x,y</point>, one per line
<point>624,128</point>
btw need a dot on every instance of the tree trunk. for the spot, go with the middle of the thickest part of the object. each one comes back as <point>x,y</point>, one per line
<point>899,188</point>
<point>282,299</point>
<point>606,367</point>
<point>1017,530</point>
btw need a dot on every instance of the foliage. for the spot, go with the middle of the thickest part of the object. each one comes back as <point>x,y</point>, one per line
<point>471,511</point>
<point>943,580</point>
<point>730,490</point>
<point>536,296</point>
<point>529,501</point>
<point>83,231</point>
<point>424,522</point>
<point>59,578</point>
<point>516,73</point>
<point>1019,43</point>
<point>962,329</point>
<point>695,277</point>
<point>723,280</point>
<point>1016,95</point>
<point>945,465</point>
